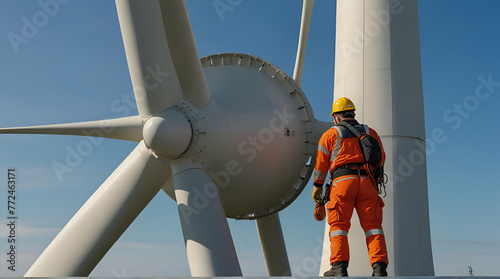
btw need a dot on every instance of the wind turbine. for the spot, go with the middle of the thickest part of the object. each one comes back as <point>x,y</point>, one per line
<point>199,134</point>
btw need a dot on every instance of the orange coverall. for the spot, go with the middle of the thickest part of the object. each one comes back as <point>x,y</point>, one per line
<point>338,147</point>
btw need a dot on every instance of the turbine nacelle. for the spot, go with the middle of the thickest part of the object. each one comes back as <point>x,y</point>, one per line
<point>255,138</point>
<point>259,132</point>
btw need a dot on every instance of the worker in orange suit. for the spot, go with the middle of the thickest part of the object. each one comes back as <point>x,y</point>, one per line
<point>340,154</point>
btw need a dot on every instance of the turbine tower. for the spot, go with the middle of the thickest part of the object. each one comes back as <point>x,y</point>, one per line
<point>377,65</point>
<point>201,136</point>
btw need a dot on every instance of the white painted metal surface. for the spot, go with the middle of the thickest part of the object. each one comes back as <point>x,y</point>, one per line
<point>184,52</point>
<point>377,65</point>
<point>209,245</point>
<point>167,133</point>
<point>259,121</point>
<point>258,133</point>
<point>126,128</point>
<point>87,237</point>
<point>154,78</point>
<point>307,8</point>
<point>322,127</point>
<point>273,245</point>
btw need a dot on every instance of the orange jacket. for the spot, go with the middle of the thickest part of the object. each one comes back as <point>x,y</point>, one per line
<point>338,147</point>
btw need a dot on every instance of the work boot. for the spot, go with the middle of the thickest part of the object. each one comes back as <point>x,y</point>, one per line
<point>338,269</point>
<point>379,269</point>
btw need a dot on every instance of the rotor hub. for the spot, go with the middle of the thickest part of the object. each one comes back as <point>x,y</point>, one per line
<point>168,133</point>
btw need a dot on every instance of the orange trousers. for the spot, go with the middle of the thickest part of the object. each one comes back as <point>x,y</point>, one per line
<point>349,192</point>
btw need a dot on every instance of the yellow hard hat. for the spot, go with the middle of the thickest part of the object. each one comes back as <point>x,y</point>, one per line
<point>342,104</point>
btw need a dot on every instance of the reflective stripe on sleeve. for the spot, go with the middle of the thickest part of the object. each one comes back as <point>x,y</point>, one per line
<point>320,176</point>
<point>336,149</point>
<point>338,232</point>
<point>323,149</point>
<point>340,130</point>
<point>373,232</point>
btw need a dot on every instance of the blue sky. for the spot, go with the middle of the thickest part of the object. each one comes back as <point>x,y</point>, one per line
<point>73,68</point>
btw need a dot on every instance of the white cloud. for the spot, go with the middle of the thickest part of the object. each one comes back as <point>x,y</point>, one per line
<point>23,230</point>
<point>39,177</point>
<point>144,245</point>
<point>461,243</point>
<point>23,263</point>
<point>252,263</point>
<point>126,259</point>
<point>31,231</point>
<point>452,257</point>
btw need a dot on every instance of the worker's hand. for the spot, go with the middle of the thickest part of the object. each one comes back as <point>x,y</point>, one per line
<point>317,194</point>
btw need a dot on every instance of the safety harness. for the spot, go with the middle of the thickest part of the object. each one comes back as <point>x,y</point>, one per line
<point>372,154</point>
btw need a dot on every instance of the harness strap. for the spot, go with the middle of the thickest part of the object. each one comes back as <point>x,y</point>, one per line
<point>338,172</point>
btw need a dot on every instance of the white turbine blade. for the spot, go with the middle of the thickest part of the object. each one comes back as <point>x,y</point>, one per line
<point>184,52</point>
<point>87,237</point>
<point>209,245</point>
<point>273,245</point>
<point>127,128</point>
<point>155,82</point>
<point>307,9</point>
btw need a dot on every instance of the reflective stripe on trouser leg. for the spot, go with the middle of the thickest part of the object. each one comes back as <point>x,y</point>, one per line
<point>338,232</point>
<point>340,209</point>
<point>339,246</point>
<point>370,212</point>
<point>373,232</point>
<point>377,249</point>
